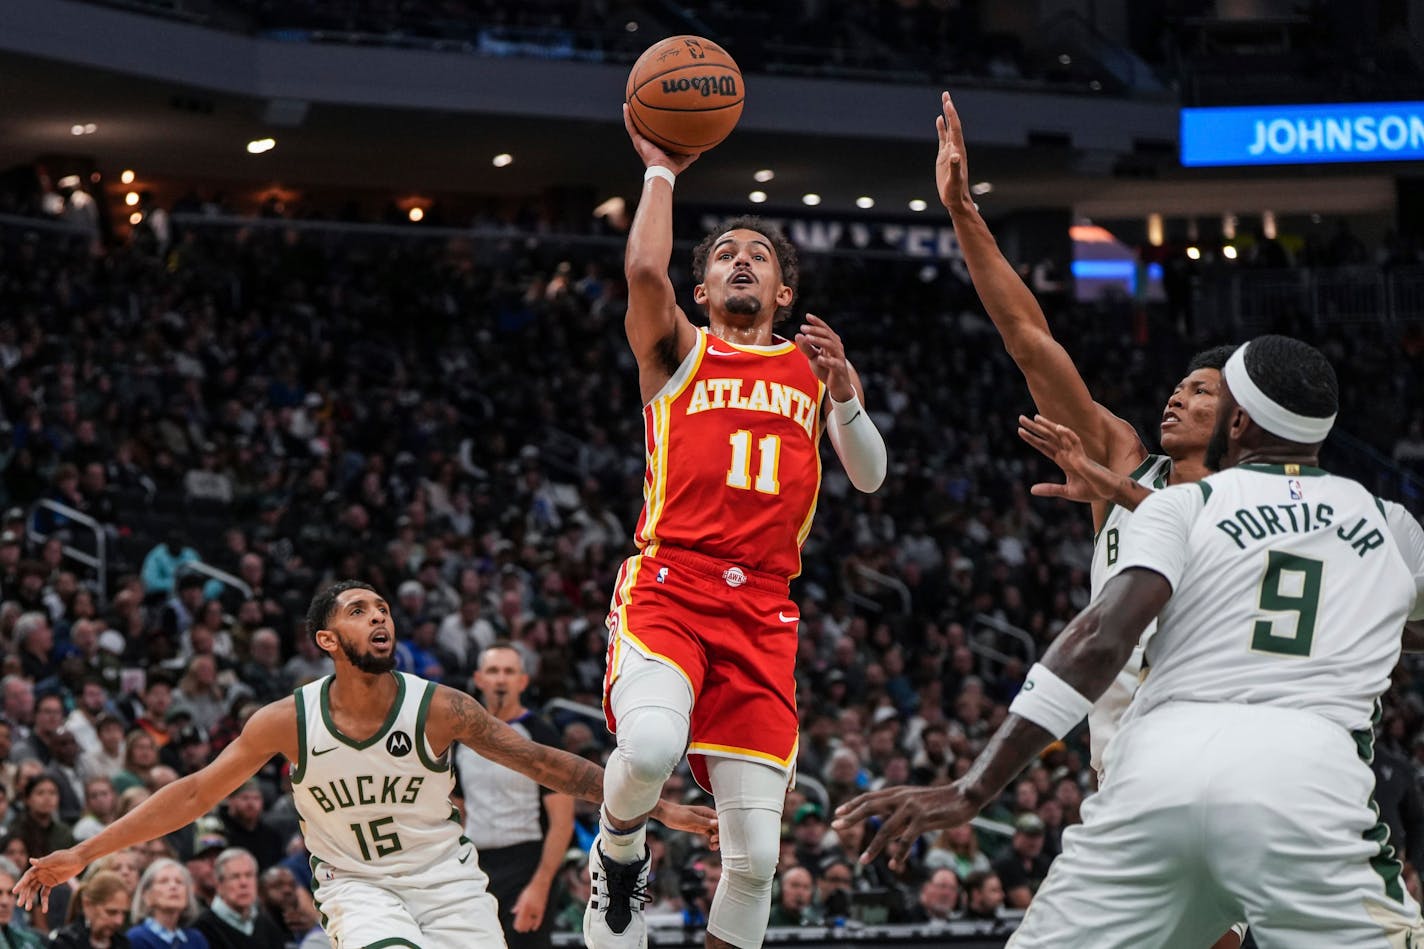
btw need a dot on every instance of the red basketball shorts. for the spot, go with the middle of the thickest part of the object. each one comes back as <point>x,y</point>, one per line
<point>731,634</point>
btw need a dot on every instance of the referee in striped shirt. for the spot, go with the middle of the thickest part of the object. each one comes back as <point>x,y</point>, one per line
<point>520,830</point>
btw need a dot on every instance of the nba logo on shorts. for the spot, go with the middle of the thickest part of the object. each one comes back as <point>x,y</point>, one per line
<point>1296,491</point>
<point>662,574</point>
<point>734,576</point>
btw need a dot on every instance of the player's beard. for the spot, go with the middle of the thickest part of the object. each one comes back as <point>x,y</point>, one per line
<point>1216,448</point>
<point>742,304</point>
<point>368,663</point>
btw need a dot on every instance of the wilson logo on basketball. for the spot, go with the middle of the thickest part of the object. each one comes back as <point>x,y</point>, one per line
<point>707,85</point>
<point>398,744</point>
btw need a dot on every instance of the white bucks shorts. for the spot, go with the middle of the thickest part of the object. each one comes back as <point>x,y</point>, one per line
<point>427,911</point>
<point>1216,813</point>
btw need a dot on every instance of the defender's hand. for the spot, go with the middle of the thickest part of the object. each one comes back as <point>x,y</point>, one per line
<point>908,812</point>
<point>651,153</point>
<point>694,819</point>
<point>44,874</point>
<point>824,349</point>
<point>951,166</point>
<point>1087,481</point>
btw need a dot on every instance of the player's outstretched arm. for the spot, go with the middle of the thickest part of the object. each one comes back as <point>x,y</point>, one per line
<point>658,331</point>
<point>455,716</point>
<point>270,732</point>
<point>1085,657</point>
<point>1087,481</point>
<point>1054,381</point>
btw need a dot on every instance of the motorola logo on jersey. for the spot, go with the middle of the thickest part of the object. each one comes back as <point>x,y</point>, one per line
<point>398,744</point>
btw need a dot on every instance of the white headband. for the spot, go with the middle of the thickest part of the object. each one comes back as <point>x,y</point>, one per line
<point>1268,413</point>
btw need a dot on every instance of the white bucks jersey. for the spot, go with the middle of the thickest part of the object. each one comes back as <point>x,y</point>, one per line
<point>381,806</point>
<point>1107,546</point>
<point>1290,587</point>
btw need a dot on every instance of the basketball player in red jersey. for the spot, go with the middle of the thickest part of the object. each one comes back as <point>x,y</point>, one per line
<point>702,632</point>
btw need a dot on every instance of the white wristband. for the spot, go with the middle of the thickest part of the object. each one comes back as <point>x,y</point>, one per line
<point>660,171</point>
<point>1048,701</point>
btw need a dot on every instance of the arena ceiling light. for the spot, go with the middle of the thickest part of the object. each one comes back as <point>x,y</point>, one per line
<point>811,199</point>
<point>865,202</point>
<point>981,187</point>
<point>131,198</point>
<point>136,218</point>
<point>259,145</point>
<point>127,176</point>
<point>88,128</point>
<point>502,160</point>
<point>1193,253</point>
<point>764,175</point>
<point>757,197</point>
<point>1228,252</point>
<point>416,214</point>
<point>918,204</point>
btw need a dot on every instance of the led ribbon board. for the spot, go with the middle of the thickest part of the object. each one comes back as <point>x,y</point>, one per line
<point>1303,134</point>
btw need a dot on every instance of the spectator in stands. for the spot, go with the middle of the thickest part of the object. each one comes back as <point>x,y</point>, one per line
<point>107,760</point>
<point>10,553</point>
<point>160,566</point>
<point>35,638</point>
<point>164,907</point>
<point>140,758</point>
<point>208,842</point>
<point>201,694</point>
<point>465,633</point>
<point>262,673</point>
<point>208,481</point>
<point>244,827</point>
<point>153,715</point>
<point>984,896</point>
<point>938,899</point>
<point>101,806</point>
<point>183,607</point>
<point>235,920</point>
<point>1021,871</point>
<point>104,903</point>
<point>83,722</point>
<point>12,933</point>
<point>64,766</point>
<point>308,664</point>
<point>837,884</point>
<point>39,826</point>
<point>796,902</point>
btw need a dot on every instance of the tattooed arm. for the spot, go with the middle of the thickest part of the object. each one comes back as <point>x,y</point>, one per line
<point>455,716</point>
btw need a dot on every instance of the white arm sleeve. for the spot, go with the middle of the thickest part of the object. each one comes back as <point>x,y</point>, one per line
<point>858,444</point>
<point>1409,538</point>
<point>1156,534</point>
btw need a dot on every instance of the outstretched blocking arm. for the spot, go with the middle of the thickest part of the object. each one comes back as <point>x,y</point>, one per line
<point>658,331</point>
<point>1054,381</point>
<point>270,732</point>
<point>1087,656</point>
<point>455,716</point>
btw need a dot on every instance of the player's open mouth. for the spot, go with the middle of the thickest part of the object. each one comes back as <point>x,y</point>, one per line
<point>381,639</point>
<point>742,280</point>
<point>1170,418</point>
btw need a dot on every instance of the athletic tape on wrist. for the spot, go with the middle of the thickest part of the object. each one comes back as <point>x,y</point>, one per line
<point>1048,701</point>
<point>660,171</point>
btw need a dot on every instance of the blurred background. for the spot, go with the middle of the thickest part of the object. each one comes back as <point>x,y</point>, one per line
<point>298,291</point>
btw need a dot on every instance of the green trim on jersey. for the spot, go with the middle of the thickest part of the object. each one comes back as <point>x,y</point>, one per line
<point>1205,490</point>
<point>393,941</point>
<point>1295,471</point>
<point>380,732</point>
<point>301,767</point>
<point>1383,513</point>
<point>1384,862</point>
<point>1158,483</point>
<point>443,765</point>
<point>313,860</point>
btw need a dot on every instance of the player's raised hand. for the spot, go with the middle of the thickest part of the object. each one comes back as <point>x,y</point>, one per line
<point>46,873</point>
<point>652,154</point>
<point>907,813</point>
<point>692,818</point>
<point>1086,480</point>
<point>823,347</point>
<point>951,165</point>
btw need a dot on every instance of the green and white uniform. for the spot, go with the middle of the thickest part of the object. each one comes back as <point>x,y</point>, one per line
<point>390,865</point>
<point>1106,716</point>
<point>1239,785</point>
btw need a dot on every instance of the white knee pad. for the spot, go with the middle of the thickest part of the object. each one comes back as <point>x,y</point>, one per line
<point>652,705</point>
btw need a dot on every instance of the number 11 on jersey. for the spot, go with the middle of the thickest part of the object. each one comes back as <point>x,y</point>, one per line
<point>739,475</point>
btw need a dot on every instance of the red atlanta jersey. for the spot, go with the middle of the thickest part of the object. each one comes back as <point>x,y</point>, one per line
<point>734,466</point>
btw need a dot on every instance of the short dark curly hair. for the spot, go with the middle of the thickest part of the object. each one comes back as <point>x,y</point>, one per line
<point>322,605</point>
<point>786,256</point>
<point>1213,358</point>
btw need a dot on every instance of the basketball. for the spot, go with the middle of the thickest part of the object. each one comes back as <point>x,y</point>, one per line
<point>685,93</point>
